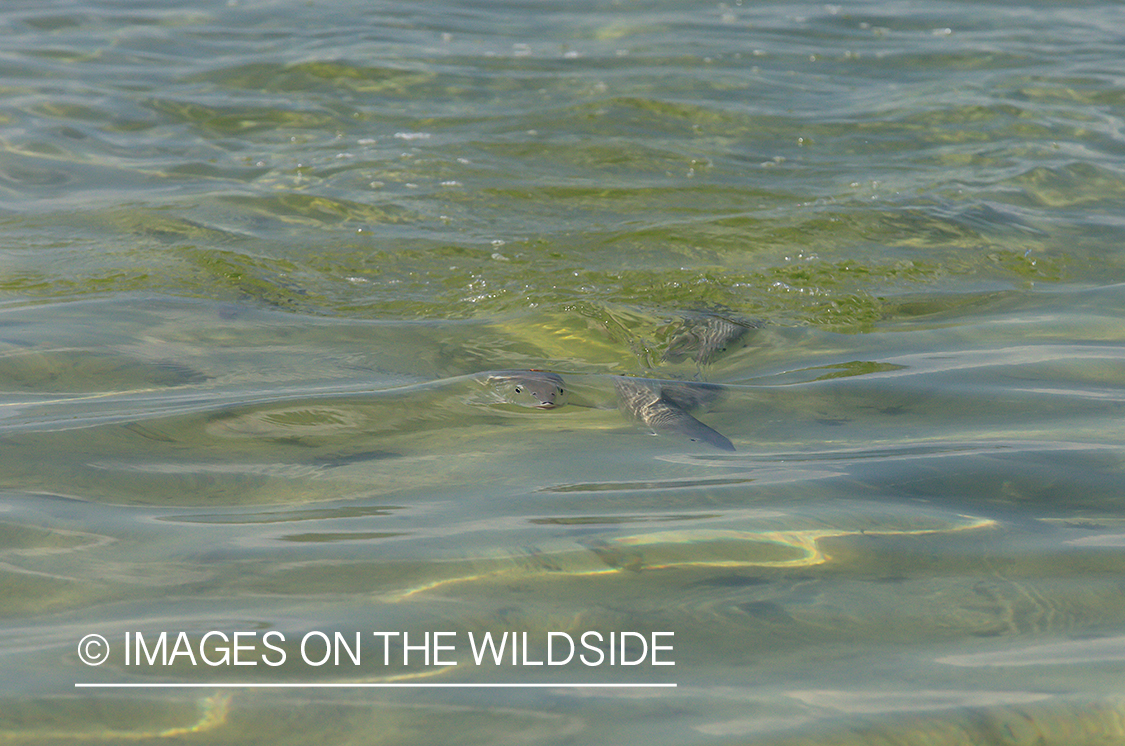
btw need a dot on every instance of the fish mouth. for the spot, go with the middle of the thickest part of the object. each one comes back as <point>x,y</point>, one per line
<point>546,405</point>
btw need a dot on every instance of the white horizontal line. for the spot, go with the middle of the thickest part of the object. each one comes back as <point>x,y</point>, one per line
<point>358,685</point>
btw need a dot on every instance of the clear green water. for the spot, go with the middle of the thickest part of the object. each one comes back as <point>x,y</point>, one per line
<point>256,253</point>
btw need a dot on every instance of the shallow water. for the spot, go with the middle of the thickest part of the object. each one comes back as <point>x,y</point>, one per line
<point>259,254</point>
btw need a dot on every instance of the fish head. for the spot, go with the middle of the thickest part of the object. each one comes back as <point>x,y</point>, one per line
<point>532,388</point>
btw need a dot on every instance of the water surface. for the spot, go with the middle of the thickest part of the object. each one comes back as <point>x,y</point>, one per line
<point>258,255</point>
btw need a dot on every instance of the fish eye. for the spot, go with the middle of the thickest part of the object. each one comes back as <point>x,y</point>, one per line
<point>519,389</point>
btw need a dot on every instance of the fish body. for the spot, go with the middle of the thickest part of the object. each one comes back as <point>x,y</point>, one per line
<point>664,408</point>
<point>529,388</point>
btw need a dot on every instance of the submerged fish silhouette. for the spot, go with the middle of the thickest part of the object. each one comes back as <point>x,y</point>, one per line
<point>704,337</point>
